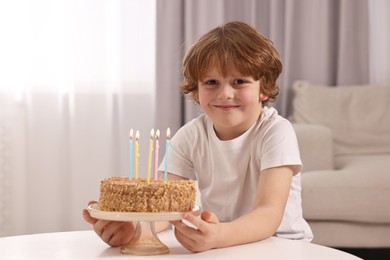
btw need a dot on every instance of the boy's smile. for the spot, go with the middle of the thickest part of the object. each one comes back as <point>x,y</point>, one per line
<point>226,107</point>
<point>233,102</point>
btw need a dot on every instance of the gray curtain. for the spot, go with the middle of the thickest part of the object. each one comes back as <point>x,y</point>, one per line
<point>323,41</point>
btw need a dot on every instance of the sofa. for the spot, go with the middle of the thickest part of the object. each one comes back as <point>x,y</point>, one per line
<point>344,140</point>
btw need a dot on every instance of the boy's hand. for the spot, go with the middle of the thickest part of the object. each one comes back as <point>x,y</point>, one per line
<point>204,237</point>
<point>114,233</point>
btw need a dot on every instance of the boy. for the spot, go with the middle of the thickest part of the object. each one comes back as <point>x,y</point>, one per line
<point>243,154</point>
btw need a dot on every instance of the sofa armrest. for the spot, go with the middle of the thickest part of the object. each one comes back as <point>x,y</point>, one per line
<point>315,145</point>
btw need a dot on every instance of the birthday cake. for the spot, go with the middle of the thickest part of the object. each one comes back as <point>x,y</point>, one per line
<point>140,195</point>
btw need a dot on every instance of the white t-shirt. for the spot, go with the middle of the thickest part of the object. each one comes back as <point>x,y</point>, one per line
<point>228,171</point>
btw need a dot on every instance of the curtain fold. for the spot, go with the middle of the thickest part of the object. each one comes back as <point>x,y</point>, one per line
<point>323,41</point>
<point>379,34</point>
<point>169,52</point>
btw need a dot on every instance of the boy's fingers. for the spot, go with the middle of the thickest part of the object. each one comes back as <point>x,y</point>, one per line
<point>209,217</point>
<point>87,217</point>
<point>197,222</point>
<point>91,202</point>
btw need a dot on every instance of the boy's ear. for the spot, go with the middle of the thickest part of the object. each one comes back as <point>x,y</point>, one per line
<point>263,97</point>
<point>195,96</point>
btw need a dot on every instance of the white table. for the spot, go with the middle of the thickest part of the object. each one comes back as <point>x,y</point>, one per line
<point>87,245</point>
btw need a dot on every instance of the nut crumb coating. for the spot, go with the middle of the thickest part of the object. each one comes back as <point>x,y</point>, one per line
<point>137,195</point>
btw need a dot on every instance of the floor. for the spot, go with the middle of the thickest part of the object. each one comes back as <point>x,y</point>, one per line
<point>369,254</point>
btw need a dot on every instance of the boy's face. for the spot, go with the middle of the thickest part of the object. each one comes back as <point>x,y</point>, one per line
<point>233,102</point>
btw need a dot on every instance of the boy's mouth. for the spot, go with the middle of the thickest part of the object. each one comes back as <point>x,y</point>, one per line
<point>226,107</point>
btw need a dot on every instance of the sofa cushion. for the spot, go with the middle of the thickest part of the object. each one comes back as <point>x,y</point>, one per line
<point>358,190</point>
<point>315,146</point>
<point>359,116</point>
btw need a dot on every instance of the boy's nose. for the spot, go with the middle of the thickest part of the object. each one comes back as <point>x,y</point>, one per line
<point>226,91</point>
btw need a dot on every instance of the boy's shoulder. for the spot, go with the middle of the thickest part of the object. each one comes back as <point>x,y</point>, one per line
<point>198,123</point>
<point>195,126</point>
<point>272,121</point>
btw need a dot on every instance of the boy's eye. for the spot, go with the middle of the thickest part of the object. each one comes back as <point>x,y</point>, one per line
<point>238,82</point>
<point>211,82</point>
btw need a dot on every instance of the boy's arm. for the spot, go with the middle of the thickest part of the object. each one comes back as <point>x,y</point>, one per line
<point>271,197</point>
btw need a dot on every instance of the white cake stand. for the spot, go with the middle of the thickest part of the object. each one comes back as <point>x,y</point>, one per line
<point>145,242</point>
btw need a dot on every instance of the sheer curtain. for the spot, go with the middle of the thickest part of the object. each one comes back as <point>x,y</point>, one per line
<point>326,42</point>
<point>75,77</point>
<point>379,42</point>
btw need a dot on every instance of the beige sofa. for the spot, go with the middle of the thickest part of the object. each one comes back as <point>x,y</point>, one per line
<point>344,138</point>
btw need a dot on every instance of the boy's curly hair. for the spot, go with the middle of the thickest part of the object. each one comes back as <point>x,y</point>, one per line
<point>234,45</point>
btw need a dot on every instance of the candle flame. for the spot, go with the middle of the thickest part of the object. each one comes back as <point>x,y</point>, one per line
<point>131,134</point>
<point>168,133</point>
<point>157,134</point>
<point>137,135</point>
<point>152,133</point>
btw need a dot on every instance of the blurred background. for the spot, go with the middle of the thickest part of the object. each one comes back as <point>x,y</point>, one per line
<point>77,75</point>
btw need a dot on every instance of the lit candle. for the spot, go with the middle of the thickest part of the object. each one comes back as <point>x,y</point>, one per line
<point>166,154</point>
<point>136,153</point>
<point>156,155</point>
<point>131,155</point>
<point>150,153</point>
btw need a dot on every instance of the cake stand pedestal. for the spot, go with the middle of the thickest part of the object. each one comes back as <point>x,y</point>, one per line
<point>145,240</point>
